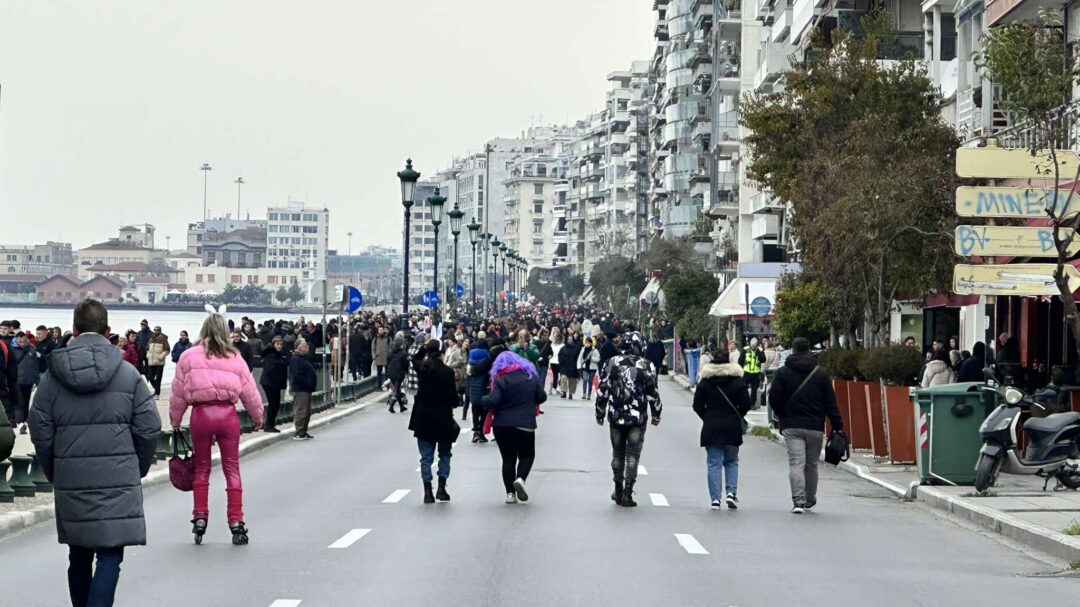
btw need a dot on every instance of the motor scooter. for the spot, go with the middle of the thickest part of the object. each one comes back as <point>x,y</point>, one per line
<point>1053,450</point>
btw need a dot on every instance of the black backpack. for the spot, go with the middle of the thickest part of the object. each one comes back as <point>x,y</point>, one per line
<point>837,448</point>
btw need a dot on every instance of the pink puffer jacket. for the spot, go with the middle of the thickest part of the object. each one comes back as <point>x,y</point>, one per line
<point>200,379</point>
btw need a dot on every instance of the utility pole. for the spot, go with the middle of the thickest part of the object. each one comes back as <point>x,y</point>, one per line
<point>349,234</point>
<point>239,182</point>
<point>205,168</point>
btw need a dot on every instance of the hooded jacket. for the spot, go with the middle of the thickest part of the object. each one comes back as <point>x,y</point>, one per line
<point>628,393</point>
<point>514,398</point>
<point>479,367</point>
<point>157,350</point>
<point>937,373</point>
<point>807,408</point>
<point>721,421</point>
<point>210,379</point>
<point>432,417</point>
<point>95,426</point>
<point>26,362</point>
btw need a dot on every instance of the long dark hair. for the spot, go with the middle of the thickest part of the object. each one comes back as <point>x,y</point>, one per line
<point>432,355</point>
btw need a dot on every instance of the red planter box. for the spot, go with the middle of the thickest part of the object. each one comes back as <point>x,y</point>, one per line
<point>877,418</point>
<point>840,389</point>
<point>858,425</point>
<point>900,425</point>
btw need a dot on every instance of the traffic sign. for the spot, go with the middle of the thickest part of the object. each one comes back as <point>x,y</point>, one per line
<point>430,299</point>
<point>1031,279</point>
<point>761,306</point>
<point>986,201</point>
<point>339,293</point>
<point>459,291</point>
<point>356,300</point>
<point>1014,241</point>
<point>1002,163</point>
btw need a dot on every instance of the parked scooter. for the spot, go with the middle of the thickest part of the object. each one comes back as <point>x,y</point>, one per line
<point>1053,446</point>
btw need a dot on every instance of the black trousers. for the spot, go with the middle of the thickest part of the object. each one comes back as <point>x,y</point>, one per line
<point>273,404</point>
<point>518,450</point>
<point>22,408</point>
<point>479,412</point>
<point>153,375</point>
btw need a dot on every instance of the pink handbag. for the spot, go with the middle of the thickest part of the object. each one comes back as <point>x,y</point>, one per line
<point>181,469</point>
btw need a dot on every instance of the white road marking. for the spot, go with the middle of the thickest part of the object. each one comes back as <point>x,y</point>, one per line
<point>418,468</point>
<point>350,538</point>
<point>286,603</point>
<point>642,471</point>
<point>690,544</point>
<point>658,499</point>
<point>464,431</point>
<point>396,496</point>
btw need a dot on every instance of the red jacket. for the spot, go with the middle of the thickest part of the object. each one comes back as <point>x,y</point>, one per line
<point>131,354</point>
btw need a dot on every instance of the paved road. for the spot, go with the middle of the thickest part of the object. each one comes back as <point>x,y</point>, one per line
<point>568,546</point>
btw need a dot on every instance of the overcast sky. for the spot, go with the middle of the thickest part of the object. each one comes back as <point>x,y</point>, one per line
<point>108,108</point>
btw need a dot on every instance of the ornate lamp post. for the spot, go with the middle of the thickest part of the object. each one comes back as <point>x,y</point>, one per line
<point>474,236</point>
<point>495,247</point>
<point>408,179</point>
<point>455,214</point>
<point>486,236</point>
<point>436,202</point>
<point>505,249</point>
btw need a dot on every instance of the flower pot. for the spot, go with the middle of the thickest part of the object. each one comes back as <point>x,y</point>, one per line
<point>858,425</point>
<point>900,424</point>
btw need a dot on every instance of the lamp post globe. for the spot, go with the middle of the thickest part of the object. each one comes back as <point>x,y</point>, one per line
<point>408,179</point>
<point>436,202</point>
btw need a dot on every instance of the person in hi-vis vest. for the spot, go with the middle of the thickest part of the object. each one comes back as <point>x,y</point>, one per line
<point>752,360</point>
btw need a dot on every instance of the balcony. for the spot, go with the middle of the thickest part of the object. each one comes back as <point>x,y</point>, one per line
<point>766,202</point>
<point>727,130</point>
<point>781,26</point>
<point>773,60</point>
<point>765,227</point>
<point>729,27</point>
<point>976,117</point>
<point>802,15</point>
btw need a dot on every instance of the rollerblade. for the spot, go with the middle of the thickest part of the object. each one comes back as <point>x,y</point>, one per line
<point>198,527</point>
<point>239,533</point>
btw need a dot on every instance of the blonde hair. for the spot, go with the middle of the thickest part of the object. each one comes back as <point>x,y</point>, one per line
<point>214,337</point>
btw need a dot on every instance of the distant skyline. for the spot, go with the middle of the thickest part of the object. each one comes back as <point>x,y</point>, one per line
<point>108,109</point>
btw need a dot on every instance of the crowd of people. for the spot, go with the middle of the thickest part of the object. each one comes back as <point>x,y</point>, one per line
<point>97,394</point>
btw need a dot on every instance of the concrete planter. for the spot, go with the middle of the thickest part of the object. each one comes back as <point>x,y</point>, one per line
<point>164,445</point>
<point>7,494</point>
<point>20,477</point>
<point>37,476</point>
<point>899,424</point>
<point>246,425</point>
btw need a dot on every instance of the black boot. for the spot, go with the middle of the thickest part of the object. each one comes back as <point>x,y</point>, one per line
<point>429,497</point>
<point>475,436</point>
<point>616,496</point>
<point>239,533</point>
<point>442,495</point>
<point>628,496</point>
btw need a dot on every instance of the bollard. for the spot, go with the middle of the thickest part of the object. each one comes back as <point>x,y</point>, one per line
<point>7,494</point>
<point>164,445</point>
<point>20,476</point>
<point>37,476</point>
<point>246,425</point>
<point>285,416</point>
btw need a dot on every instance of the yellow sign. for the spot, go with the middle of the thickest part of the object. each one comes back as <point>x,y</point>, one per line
<point>987,201</point>
<point>1003,163</point>
<point>1030,279</point>
<point>1015,241</point>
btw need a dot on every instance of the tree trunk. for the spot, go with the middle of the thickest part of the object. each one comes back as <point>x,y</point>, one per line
<point>1068,304</point>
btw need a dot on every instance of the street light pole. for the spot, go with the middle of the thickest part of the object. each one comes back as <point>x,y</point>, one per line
<point>349,234</point>
<point>436,202</point>
<point>408,179</point>
<point>455,215</point>
<point>504,249</point>
<point>239,181</point>
<point>474,235</point>
<point>205,168</point>
<point>495,244</point>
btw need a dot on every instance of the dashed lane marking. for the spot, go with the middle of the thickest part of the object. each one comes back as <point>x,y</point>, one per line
<point>691,545</point>
<point>286,603</point>
<point>396,496</point>
<point>658,499</point>
<point>642,471</point>
<point>350,538</point>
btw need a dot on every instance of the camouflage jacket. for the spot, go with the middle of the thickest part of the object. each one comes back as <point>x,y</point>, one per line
<point>627,387</point>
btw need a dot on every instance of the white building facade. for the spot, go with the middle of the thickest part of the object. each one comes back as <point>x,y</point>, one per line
<point>298,237</point>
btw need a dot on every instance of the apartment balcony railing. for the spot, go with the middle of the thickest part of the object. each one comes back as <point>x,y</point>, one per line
<point>781,26</point>
<point>766,202</point>
<point>1024,135</point>
<point>726,127</point>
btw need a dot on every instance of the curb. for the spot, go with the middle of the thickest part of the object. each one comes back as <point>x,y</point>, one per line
<point>15,522</point>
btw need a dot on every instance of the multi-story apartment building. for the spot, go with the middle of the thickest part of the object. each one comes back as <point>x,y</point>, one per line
<point>132,245</point>
<point>421,241</point>
<point>199,230</point>
<point>42,259</point>
<point>298,237</point>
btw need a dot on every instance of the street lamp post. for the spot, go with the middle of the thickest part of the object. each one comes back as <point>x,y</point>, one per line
<point>455,215</point>
<point>474,235</point>
<point>505,249</point>
<point>408,179</point>
<point>495,246</point>
<point>239,181</point>
<point>349,234</point>
<point>436,202</point>
<point>205,168</point>
<point>486,236</point>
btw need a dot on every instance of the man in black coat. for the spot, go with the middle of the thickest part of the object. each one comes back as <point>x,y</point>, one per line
<point>95,426</point>
<point>302,382</point>
<point>802,397</point>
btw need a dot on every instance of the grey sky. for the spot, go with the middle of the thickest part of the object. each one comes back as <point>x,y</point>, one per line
<point>109,107</point>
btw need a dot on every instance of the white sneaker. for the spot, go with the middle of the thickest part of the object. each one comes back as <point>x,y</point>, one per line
<point>715,504</point>
<point>511,498</point>
<point>732,502</point>
<point>798,510</point>
<point>519,489</point>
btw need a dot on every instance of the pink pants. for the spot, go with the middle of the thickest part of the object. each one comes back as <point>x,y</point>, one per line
<point>209,422</point>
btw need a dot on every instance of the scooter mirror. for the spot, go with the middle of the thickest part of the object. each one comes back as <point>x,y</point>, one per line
<point>988,373</point>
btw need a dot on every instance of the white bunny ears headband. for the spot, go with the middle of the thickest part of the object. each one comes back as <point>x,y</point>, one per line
<point>211,311</point>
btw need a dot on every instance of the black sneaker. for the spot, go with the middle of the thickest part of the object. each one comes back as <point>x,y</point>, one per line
<point>271,430</point>
<point>798,509</point>
<point>732,502</point>
<point>302,437</point>
<point>715,505</point>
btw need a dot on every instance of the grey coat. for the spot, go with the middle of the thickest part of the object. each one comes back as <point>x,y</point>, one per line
<point>95,425</point>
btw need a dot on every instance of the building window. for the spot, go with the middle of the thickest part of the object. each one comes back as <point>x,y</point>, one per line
<point>211,278</point>
<point>538,188</point>
<point>198,278</point>
<point>538,227</point>
<point>538,207</point>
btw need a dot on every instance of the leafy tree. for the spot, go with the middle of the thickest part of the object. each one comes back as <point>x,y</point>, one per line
<point>555,285</point>
<point>615,280</point>
<point>670,255</point>
<point>1037,67</point>
<point>691,291</point>
<point>859,149</point>
<point>697,326</point>
<point>295,293</point>
<point>800,309</point>
<point>282,294</point>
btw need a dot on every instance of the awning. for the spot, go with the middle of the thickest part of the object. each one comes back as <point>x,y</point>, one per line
<point>651,295</point>
<point>732,302</point>
<point>949,300</point>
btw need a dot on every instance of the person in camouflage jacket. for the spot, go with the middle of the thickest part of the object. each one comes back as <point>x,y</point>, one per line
<point>627,395</point>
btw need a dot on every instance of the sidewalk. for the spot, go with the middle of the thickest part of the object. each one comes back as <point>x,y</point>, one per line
<point>1017,507</point>
<point>27,511</point>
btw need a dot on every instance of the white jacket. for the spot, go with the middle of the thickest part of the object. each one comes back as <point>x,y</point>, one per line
<point>937,373</point>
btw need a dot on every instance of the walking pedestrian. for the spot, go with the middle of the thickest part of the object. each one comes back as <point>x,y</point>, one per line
<point>24,357</point>
<point>802,397</point>
<point>721,401</point>
<point>210,378</point>
<point>568,369</point>
<point>517,392</point>
<point>938,371</point>
<point>752,361</point>
<point>397,368</point>
<point>457,358</point>
<point>157,352</point>
<point>588,363</point>
<point>432,420</point>
<point>274,380</point>
<point>95,425</point>
<point>129,350</point>
<point>302,382</point>
<point>380,351</point>
<point>479,368</point>
<point>182,345</point>
<point>627,395</point>
<point>557,343</point>
<point>142,342</point>
<point>972,368</point>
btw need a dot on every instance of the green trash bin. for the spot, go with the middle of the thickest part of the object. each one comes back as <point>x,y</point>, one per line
<point>947,427</point>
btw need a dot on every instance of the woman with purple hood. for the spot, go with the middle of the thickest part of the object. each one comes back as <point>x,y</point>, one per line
<point>516,394</point>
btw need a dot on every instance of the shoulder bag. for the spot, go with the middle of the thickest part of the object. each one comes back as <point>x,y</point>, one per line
<point>744,426</point>
<point>181,469</point>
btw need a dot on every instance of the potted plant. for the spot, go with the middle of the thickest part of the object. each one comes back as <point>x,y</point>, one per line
<point>895,367</point>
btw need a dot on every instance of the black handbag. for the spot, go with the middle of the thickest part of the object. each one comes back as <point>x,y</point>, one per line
<point>837,448</point>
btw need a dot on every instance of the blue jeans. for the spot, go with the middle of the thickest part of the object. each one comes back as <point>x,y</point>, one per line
<point>723,460</point>
<point>586,381</point>
<point>427,456</point>
<point>90,588</point>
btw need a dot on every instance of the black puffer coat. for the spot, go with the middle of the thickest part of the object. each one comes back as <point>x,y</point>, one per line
<point>568,360</point>
<point>275,372</point>
<point>433,409</point>
<point>95,425</point>
<point>721,422</point>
